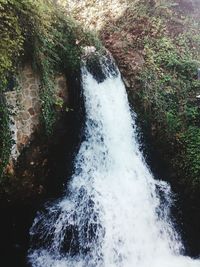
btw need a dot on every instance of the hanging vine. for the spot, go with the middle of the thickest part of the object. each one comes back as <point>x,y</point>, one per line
<point>39,32</point>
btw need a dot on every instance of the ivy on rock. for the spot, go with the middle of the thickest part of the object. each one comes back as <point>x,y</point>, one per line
<point>40,32</point>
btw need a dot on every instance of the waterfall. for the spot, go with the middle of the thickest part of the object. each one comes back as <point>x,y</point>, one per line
<point>113,213</point>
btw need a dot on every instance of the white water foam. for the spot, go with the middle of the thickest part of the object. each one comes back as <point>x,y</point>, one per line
<point>112,214</point>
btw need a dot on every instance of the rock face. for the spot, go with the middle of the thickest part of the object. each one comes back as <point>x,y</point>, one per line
<point>94,15</point>
<point>25,106</point>
<point>40,163</point>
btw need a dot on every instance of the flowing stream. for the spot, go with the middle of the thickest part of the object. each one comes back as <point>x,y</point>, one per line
<point>113,213</point>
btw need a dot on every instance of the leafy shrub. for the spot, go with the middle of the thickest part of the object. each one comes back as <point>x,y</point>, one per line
<point>38,31</point>
<point>168,86</point>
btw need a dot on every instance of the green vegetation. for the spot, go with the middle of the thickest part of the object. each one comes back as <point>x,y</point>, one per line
<point>6,141</point>
<point>157,46</point>
<point>168,86</point>
<point>39,32</point>
<point>165,86</point>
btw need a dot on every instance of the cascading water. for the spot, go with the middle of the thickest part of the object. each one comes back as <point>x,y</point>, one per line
<point>112,214</point>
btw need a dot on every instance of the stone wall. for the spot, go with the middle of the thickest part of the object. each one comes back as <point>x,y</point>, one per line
<point>25,106</point>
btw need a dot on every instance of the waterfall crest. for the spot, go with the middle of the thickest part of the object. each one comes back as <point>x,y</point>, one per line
<point>112,214</point>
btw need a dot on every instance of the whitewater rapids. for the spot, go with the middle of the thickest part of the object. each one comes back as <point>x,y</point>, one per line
<point>113,212</point>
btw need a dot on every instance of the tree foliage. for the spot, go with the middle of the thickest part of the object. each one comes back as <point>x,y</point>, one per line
<point>40,32</point>
<point>169,86</point>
